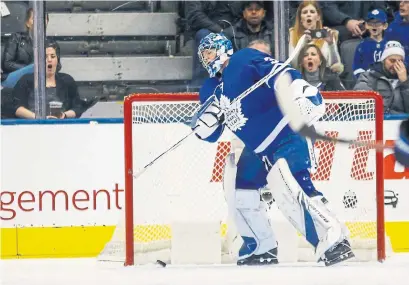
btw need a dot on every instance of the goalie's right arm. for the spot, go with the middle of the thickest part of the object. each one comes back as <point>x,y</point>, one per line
<point>300,101</point>
<point>207,123</point>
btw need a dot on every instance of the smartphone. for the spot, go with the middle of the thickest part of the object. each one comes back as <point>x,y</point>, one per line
<point>362,26</point>
<point>319,34</point>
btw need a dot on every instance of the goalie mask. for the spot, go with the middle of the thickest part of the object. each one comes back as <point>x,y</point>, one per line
<point>214,50</point>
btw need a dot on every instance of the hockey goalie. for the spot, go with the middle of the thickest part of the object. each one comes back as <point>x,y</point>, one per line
<point>275,158</point>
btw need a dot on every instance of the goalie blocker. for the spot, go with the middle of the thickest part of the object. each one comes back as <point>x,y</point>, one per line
<point>207,122</point>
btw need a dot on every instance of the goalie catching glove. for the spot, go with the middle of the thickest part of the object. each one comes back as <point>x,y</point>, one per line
<point>207,123</point>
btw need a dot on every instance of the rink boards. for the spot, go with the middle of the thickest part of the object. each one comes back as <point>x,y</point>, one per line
<point>62,188</point>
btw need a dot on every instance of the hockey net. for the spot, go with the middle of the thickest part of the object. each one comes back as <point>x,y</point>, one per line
<point>185,188</point>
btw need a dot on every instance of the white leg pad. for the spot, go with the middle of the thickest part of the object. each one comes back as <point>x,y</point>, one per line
<point>252,220</point>
<point>232,241</point>
<point>313,220</point>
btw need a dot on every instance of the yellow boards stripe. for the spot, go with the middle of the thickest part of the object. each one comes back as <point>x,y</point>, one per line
<point>46,242</point>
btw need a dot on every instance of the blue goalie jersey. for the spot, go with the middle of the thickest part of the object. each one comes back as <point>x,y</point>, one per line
<point>257,119</point>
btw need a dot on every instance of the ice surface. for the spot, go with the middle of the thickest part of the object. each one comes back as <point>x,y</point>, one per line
<point>394,271</point>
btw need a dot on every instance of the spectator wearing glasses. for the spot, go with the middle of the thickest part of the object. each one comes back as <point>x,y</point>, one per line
<point>251,27</point>
<point>389,77</point>
<point>308,20</point>
<point>60,87</point>
<point>370,49</point>
<point>399,29</point>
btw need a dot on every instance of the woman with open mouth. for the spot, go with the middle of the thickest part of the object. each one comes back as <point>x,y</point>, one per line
<point>309,21</point>
<point>314,70</point>
<point>62,97</point>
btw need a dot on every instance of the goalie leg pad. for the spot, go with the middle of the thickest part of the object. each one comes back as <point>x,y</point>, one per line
<point>253,224</point>
<point>310,218</point>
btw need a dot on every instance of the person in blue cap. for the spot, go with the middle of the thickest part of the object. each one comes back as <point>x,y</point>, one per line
<point>370,49</point>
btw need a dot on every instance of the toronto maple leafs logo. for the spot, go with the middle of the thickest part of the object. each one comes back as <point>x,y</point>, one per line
<point>234,118</point>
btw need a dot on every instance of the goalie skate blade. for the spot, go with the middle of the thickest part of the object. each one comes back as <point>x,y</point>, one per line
<point>257,261</point>
<point>267,258</point>
<point>341,258</point>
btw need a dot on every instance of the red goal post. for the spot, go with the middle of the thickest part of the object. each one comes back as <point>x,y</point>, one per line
<point>365,106</point>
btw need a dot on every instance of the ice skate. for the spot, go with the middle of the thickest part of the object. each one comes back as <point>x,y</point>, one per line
<point>339,253</point>
<point>268,258</point>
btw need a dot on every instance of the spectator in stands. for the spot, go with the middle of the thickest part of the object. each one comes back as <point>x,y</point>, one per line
<point>399,28</point>
<point>314,70</point>
<point>309,19</point>
<point>60,87</point>
<point>347,16</point>
<point>370,49</point>
<point>251,27</point>
<point>390,78</point>
<point>205,17</point>
<point>7,103</point>
<point>12,78</point>
<point>18,52</point>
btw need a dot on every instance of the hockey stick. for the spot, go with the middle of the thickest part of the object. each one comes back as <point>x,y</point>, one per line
<point>140,172</point>
<point>296,120</point>
<point>296,51</point>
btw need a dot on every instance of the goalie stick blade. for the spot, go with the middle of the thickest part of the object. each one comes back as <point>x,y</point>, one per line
<point>311,133</point>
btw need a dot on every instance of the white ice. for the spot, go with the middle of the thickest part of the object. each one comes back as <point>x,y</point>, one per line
<point>394,271</point>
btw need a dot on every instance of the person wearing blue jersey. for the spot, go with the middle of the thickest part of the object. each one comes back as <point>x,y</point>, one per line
<point>259,123</point>
<point>243,169</point>
<point>370,49</point>
<point>399,29</point>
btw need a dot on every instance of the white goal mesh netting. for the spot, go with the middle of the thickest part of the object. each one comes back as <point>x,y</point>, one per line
<point>185,185</point>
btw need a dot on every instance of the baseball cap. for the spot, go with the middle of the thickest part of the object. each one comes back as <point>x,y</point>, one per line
<point>378,15</point>
<point>247,4</point>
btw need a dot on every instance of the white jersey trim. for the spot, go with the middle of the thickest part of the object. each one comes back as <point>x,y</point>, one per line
<point>358,71</point>
<point>273,135</point>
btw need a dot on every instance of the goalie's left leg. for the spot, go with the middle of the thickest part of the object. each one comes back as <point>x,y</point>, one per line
<point>248,210</point>
<point>308,213</point>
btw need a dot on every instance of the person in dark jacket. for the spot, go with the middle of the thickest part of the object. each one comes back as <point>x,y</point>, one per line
<point>347,16</point>
<point>389,78</point>
<point>7,103</point>
<point>18,56</point>
<point>60,87</point>
<point>211,15</point>
<point>314,70</point>
<point>18,51</point>
<point>251,27</point>
<point>205,17</point>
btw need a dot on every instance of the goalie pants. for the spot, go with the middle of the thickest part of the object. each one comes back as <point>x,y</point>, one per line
<point>252,169</point>
<point>294,149</point>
